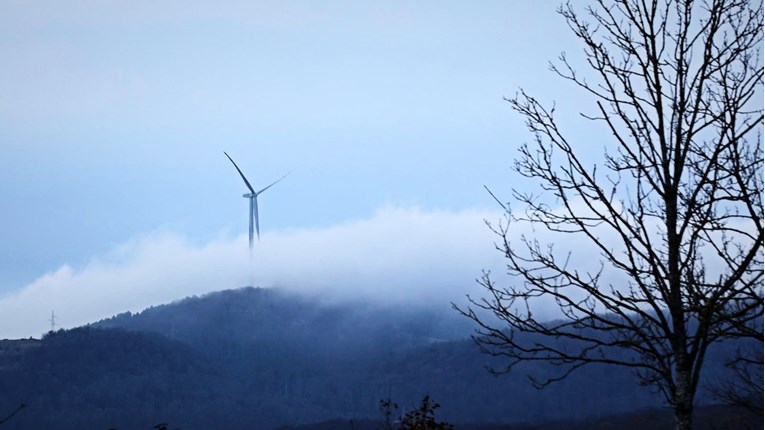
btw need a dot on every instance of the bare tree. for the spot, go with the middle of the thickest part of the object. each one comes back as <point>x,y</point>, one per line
<point>674,210</point>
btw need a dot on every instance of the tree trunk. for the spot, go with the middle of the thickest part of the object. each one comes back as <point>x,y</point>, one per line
<point>682,419</point>
<point>683,401</point>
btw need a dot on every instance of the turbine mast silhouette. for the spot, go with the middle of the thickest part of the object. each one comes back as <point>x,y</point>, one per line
<point>253,196</point>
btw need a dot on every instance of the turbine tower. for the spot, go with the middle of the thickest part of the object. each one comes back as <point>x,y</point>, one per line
<point>253,196</point>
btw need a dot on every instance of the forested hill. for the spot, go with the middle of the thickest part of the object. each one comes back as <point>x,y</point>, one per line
<point>259,359</point>
<point>277,319</point>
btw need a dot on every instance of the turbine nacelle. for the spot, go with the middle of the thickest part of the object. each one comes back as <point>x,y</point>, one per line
<point>249,196</point>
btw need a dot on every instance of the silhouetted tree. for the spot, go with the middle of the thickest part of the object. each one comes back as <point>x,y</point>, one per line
<point>424,417</point>
<point>421,418</point>
<point>674,211</point>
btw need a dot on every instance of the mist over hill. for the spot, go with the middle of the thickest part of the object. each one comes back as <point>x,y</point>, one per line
<point>263,358</point>
<point>270,319</point>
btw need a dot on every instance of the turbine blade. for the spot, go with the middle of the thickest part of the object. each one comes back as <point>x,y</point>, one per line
<point>240,173</point>
<point>255,216</point>
<point>274,183</point>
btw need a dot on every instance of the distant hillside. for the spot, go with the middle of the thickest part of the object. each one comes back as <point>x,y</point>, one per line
<point>276,320</point>
<point>259,359</point>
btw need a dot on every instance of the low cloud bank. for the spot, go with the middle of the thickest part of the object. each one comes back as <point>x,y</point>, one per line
<point>397,255</point>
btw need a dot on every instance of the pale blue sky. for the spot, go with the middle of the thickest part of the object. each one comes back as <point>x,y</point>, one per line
<point>114,115</point>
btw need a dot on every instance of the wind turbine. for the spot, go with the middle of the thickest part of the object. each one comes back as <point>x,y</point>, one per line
<point>253,196</point>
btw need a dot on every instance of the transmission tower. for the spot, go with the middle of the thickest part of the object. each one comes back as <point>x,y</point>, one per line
<point>52,321</point>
